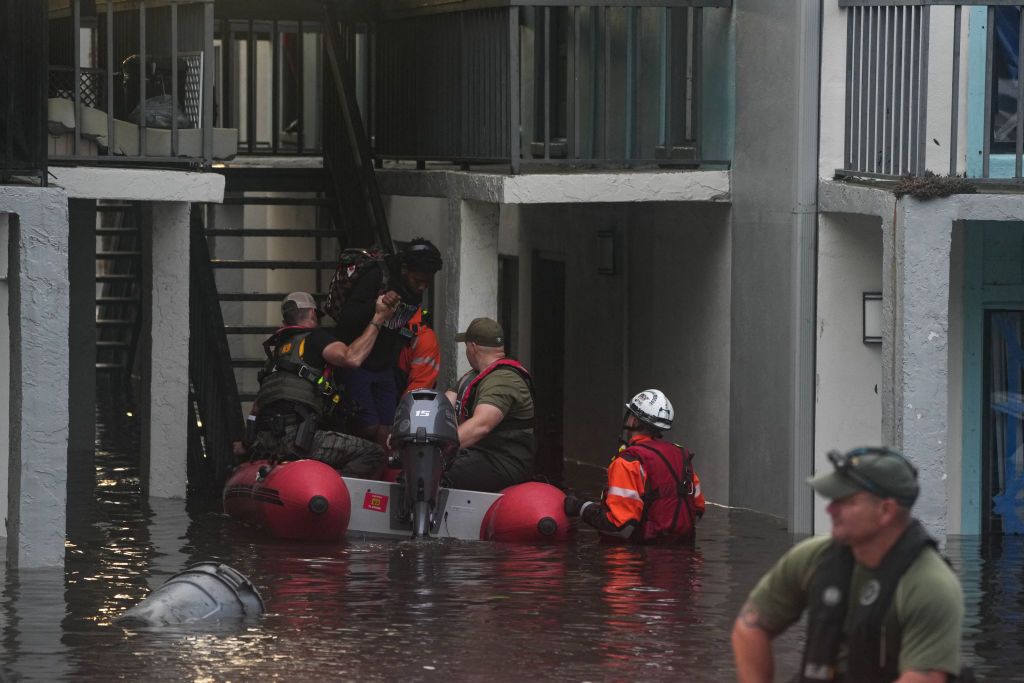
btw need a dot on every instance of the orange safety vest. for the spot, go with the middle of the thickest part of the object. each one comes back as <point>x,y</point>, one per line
<point>643,492</point>
<point>420,360</point>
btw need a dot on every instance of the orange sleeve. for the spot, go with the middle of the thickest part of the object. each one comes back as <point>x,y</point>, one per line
<point>698,495</point>
<point>623,499</point>
<point>424,360</point>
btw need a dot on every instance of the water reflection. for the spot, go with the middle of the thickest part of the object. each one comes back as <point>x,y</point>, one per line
<point>419,611</point>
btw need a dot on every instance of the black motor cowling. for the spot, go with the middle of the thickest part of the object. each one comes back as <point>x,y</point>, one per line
<point>424,433</point>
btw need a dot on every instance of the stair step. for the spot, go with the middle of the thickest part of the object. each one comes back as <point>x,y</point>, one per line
<point>262,296</point>
<point>249,329</point>
<point>109,255</point>
<point>117,277</point>
<point>247,397</point>
<point>270,232</point>
<point>106,322</point>
<point>112,345</point>
<point>278,201</point>
<point>119,299</point>
<point>117,231</point>
<point>276,179</point>
<point>273,265</point>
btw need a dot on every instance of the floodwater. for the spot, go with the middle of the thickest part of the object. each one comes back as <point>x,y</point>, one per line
<point>434,610</point>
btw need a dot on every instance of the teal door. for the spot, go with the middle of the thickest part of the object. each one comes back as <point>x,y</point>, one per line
<point>1003,432</point>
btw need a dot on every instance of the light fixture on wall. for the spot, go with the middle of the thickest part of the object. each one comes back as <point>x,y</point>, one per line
<point>606,252</point>
<point>872,317</point>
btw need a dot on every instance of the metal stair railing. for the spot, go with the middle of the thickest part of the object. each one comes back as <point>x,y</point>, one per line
<point>215,412</point>
<point>347,157</point>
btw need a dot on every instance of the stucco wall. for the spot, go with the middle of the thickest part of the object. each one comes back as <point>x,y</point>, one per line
<point>37,338</point>
<point>595,319</point>
<point>662,320</point>
<point>772,225</point>
<point>5,364</point>
<point>848,376</point>
<point>955,387</point>
<point>679,326</point>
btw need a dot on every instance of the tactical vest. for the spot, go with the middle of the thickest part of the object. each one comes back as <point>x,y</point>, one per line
<point>287,377</point>
<point>873,655</point>
<point>465,401</point>
<point>669,505</point>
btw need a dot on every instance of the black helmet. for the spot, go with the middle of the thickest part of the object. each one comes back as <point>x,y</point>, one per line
<point>421,256</point>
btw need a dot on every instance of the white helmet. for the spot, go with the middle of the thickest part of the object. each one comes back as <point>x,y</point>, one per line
<point>653,407</point>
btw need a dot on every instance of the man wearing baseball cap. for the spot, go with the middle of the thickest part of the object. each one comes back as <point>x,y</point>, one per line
<point>297,390</point>
<point>882,603</point>
<point>494,404</point>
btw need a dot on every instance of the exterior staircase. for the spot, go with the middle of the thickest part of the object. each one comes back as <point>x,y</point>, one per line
<point>118,286</point>
<point>279,230</point>
<point>295,213</point>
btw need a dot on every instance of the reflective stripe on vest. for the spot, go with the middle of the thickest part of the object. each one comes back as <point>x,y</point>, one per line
<point>669,507</point>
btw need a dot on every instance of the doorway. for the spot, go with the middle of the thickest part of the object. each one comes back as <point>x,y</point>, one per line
<point>1003,414</point>
<point>548,361</point>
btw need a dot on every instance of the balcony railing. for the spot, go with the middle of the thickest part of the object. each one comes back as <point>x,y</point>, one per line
<point>537,83</point>
<point>132,82</point>
<point>905,83</point>
<point>272,73</point>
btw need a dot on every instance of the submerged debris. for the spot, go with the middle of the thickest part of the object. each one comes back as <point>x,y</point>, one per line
<point>931,186</point>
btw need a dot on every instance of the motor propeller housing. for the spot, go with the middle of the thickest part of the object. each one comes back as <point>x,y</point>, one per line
<point>424,433</point>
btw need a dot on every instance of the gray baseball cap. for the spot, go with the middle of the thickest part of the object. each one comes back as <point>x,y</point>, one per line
<point>879,471</point>
<point>299,300</point>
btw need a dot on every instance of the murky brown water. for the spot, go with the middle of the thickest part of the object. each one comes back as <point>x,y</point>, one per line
<point>436,610</point>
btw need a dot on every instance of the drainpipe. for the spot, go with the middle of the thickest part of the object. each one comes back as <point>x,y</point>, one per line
<point>803,261</point>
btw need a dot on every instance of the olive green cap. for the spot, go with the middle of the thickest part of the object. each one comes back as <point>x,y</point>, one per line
<point>483,331</point>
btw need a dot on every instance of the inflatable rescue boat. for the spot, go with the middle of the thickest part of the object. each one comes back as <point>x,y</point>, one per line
<point>309,500</point>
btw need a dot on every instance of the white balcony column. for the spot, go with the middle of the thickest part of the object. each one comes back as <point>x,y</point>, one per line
<point>915,372</point>
<point>165,335</point>
<point>471,276</point>
<point>34,340</point>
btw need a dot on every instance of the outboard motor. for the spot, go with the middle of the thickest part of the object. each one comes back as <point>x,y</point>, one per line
<point>425,432</point>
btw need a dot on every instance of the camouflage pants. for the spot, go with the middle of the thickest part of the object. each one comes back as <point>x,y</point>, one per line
<point>352,456</point>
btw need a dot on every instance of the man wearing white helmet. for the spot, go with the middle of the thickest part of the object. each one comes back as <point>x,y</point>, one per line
<point>653,494</point>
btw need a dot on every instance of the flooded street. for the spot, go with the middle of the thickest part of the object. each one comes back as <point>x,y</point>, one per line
<point>437,610</point>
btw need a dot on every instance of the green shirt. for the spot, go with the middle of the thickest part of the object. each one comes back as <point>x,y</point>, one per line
<point>509,450</point>
<point>928,606</point>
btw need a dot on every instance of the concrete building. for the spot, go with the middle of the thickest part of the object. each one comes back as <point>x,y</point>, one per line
<point>52,292</point>
<point>697,196</point>
<point>943,385</point>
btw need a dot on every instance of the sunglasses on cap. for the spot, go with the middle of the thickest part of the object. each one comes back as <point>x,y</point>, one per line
<point>847,464</point>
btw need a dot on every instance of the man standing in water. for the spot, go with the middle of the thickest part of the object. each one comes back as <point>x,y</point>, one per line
<point>882,603</point>
<point>653,494</point>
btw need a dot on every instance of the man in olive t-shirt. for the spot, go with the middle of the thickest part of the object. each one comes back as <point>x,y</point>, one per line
<point>883,603</point>
<point>494,403</point>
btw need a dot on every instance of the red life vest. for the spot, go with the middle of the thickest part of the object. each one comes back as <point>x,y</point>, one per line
<point>669,507</point>
<point>467,393</point>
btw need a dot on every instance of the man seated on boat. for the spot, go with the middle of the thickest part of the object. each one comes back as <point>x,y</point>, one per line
<point>494,404</point>
<point>653,494</point>
<point>297,390</point>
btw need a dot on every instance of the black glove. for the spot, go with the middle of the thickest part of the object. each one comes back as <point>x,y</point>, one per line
<point>572,504</point>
